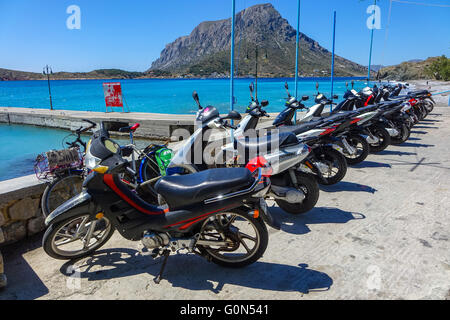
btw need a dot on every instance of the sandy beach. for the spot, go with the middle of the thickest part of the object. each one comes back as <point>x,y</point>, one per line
<point>434,86</point>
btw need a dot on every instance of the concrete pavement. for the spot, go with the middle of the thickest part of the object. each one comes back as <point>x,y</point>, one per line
<point>381,233</point>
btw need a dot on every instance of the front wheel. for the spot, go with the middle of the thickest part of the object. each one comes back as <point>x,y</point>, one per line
<point>307,183</point>
<point>246,238</point>
<point>59,191</point>
<point>76,237</point>
<point>361,146</point>
<point>404,133</point>
<point>384,139</point>
<point>335,166</point>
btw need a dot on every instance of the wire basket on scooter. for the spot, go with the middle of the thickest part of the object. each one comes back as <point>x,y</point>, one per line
<point>51,163</point>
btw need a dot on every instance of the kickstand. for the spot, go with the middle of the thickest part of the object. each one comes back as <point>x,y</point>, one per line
<point>158,278</point>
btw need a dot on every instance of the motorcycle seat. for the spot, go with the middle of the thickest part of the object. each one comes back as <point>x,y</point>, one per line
<point>265,144</point>
<point>300,128</point>
<point>184,190</point>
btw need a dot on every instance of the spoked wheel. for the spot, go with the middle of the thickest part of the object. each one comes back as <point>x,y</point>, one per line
<point>404,133</point>
<point>76,237</point>
<point>336,166</point>
<point>59,191</point>
<point>361,146</point>
<point>241,238</point>
<point>384,139</point>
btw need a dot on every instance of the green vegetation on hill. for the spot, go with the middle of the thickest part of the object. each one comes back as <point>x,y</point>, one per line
<point>439,68</point>
<point>434,67</point>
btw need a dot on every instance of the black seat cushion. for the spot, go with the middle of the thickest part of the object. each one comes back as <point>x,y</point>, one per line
<point>184,190</point>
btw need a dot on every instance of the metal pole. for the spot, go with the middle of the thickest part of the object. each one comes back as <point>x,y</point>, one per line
<point>371,43</point>
<point>332,60</point>
<point>296,56</point>
<point>256,72</point>
<point>47,71</point>
<point>233,9</point>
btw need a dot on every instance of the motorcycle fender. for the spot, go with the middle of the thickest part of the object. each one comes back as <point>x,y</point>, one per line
<point>78,204</point>
<point>267,217</point>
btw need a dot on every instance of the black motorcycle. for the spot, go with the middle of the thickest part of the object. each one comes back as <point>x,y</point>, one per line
<point>218,214</point>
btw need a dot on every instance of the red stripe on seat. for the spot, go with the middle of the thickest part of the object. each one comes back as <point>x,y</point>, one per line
<point>108,179</point>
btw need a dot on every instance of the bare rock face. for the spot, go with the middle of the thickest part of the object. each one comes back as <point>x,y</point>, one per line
<point>259,25</point>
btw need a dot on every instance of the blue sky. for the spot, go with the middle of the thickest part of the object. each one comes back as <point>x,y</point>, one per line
<point>131,34</point>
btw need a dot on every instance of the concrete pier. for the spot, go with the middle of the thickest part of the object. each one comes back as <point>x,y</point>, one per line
<point>153,125</point>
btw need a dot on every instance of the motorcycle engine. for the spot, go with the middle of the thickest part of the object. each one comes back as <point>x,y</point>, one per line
<point>155,240</point>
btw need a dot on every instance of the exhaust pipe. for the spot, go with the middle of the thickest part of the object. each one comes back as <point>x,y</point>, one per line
<point>393,132</point>
<point>289,194</point>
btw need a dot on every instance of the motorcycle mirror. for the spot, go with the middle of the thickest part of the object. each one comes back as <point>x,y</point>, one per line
<point>233,115</point>
<point>264,103</point>
<point>335,96</point>
<point>304,98</point>
<point>317,86</point>
<point>287,87</point>
<point>196,99</point>
<point>353,83</point>
<point>251,86</point>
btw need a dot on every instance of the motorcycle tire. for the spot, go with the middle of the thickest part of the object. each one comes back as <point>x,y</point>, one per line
<point>308,184</point>
<point>402,136</point>
<point>329,155</point>
<point>354,140</point>
<point>385,139</point>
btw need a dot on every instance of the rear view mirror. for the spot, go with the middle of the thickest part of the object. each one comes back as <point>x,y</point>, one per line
<point>264,103</point>
<point>317,86</point>
<point>335,96</point>
<point>304,98</point>
<point>233,115</point>
<point>251,86</point>
<point>196,99</point>
<point>286,86</point>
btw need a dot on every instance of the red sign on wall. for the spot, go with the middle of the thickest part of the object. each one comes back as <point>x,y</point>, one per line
<point>113,94</point>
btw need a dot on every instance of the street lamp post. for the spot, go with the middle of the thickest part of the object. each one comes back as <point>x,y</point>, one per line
<point>256,67</point>
<point>47,71</point>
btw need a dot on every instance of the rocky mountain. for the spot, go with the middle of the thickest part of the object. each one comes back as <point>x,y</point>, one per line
<point>206,50</point>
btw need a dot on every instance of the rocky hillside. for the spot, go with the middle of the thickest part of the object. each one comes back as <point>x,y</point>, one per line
<point>6,74</point>
<point>206,50</point>
<point>410,70</point>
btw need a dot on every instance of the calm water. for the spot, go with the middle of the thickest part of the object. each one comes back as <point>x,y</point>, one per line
<point>19,145</point>
<point>157,95</point>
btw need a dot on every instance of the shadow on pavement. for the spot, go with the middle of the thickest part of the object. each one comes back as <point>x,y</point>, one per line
<point>425,127</point>
<point>194,273</point>
<point>348,186</point>
<point>298,224</point>
<point>397,153</point>
<point>23,282</point>
<point>415,145</point>
<point>371,164</point>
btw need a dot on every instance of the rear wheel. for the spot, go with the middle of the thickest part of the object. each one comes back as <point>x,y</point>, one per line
<point>361,146</point>
<point>307,183</point>
<point>403,135</point>
<point>384,139</point>
<point>246,238</point>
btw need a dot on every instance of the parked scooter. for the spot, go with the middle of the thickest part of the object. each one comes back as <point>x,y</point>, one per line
<point>294,191</point>
<point>208,213</point>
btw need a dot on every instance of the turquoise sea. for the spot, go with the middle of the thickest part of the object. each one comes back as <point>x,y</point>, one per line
<point>19,145</point>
